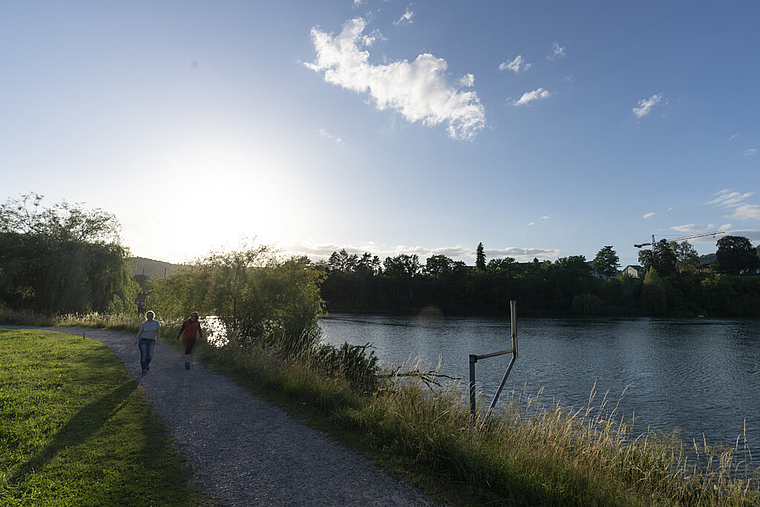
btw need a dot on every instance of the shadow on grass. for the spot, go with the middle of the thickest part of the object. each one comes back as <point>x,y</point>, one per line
<point>80,427</point>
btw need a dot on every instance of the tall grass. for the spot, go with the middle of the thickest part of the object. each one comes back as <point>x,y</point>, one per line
<point>527,453</point>
<point>122,321</point>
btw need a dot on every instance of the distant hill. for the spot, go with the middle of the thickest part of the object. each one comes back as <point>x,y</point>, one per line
<point>150,267</point>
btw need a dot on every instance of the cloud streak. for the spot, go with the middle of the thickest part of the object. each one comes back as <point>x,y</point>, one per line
<point>406,17</point>
<point>692,228</point>
<point>418,90</point>
<point>646,105</point>
<point>517,65</point>
<point>557,51</point>
<point>327,135</point>
<point>528,97</point>
<point>736,200</point>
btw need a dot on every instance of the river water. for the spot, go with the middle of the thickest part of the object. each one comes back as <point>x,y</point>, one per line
<point>698,375</point>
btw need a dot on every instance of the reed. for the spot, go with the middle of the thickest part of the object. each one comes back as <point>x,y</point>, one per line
<point>527,453</point>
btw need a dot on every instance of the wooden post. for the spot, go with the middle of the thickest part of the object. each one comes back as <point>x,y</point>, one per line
<point>473,360</point>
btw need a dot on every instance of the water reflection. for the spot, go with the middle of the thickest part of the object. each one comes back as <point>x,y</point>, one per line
<point>698,375</point>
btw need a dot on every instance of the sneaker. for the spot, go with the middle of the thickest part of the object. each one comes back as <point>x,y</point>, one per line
<point>145,372</point>
<point>187,366</point>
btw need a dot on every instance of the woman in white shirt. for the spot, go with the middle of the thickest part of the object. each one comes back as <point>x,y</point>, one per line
<point>147,339</point>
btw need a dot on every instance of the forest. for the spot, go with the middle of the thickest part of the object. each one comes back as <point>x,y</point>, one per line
<point>673,283</point>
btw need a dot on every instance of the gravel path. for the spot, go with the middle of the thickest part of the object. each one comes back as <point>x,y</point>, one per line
<point>245,451</point>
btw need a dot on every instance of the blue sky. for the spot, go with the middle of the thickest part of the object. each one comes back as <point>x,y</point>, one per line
<point>542,129</point>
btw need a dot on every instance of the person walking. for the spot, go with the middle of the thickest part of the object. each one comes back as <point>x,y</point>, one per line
<point>190,332</point>
<point>147,340</point>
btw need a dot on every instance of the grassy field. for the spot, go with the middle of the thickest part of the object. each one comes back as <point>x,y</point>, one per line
<point>75,429</point>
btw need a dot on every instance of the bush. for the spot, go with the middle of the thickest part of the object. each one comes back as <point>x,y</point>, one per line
<point>350,362</point>
<point>259,299</point>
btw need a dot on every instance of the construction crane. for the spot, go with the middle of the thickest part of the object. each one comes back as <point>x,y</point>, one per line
<point>682,239</point>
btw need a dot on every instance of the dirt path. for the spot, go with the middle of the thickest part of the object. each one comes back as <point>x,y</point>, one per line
<point>245,451</point>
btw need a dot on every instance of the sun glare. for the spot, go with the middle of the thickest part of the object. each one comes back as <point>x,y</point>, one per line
<point>219,193</point>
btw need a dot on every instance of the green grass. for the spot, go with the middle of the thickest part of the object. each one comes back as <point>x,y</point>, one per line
<point>76,430</point>
<point>122,322</point>
<point>527,454</point>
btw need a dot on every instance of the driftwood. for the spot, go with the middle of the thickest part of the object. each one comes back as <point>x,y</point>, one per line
<point>430,378</point>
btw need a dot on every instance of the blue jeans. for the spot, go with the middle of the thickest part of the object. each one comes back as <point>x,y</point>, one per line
<point>146,352</point>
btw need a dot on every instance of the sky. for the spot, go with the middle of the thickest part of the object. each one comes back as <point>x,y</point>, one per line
<point>542,129</point>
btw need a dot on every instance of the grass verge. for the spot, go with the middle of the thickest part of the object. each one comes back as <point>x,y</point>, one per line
<point>121,322</point>
<point>76,430</point>
<point>527,454</point>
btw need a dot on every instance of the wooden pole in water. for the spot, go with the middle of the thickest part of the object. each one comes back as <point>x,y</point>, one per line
<point>473,360</point>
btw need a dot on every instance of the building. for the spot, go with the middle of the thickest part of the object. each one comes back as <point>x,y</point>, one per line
<point>633,271</point>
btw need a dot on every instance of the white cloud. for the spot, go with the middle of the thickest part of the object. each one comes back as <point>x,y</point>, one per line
<point>529,97</point>
<point>692,228</point>
<point>650,215</point>
<point>746,212</point>
<point>750,152</point>
<point>457,252</point>
<point>327,135</point>
<point>729,199</point>
<point>406,17</point>
<point>467,80</point>
<point>646,105</point>
<point>735,135</point>
<point>751,234</point>
<point>557,51</point>
<point>517,65</point>
<point>419,90</point>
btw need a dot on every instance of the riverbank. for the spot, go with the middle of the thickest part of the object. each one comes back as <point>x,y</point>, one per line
<point>524,456</point>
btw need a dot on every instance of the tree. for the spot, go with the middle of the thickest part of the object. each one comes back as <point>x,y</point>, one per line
<point>260,299</point>
<point>607,262</point>
<point>342,262</point>
<point>62,259</point>
<point>687,258</point>
<point>663,258</point>
<point>402,266</point>
<point>437,265</point>
<point>653,299</point>
<point>480,258</point>
<point>735,253</point>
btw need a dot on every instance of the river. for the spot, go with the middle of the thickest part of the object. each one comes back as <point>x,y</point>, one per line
<point>698,375</point>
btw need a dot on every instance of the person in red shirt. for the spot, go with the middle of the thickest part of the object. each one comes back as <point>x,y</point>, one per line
<point>190,332</point>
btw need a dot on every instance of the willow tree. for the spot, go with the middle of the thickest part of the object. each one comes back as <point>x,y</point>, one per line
<point>259,298</point>
<point>62,258</point>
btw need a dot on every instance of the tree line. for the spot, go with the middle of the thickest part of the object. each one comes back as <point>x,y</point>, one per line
<point>671,283</point>
<point>66,259</point>
<point>62,259</point>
